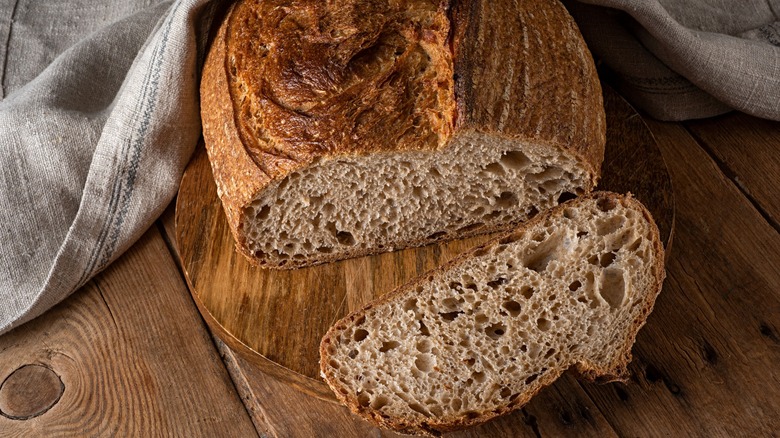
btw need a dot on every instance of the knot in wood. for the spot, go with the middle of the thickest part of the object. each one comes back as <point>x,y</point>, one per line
<point>29,391</point>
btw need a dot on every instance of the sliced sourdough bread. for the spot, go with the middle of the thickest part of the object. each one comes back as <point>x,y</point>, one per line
<point>343,128</point>
<point>479,336</point>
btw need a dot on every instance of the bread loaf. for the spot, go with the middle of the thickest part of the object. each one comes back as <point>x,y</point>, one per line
<point>348,127</point>
<point>479,336</point>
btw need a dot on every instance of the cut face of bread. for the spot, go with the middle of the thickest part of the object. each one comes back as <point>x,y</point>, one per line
<point>345,128</point>
<point>481,335</point>
<point>356,205</point>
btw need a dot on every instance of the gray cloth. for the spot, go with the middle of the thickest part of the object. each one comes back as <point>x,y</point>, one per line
<point>679,60</point>
<point>99,118</point>
<point>100,113</point>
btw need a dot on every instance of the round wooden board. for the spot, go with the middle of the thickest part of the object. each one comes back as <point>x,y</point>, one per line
<point>277,318</point>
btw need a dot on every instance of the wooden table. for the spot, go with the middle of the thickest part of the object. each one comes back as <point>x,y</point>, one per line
<point>129,355</point>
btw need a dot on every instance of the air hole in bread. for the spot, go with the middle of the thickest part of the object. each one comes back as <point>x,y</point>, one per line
<point>531,379</point>
<point>424,346</point>
<point>456,404</point>
<point>513,307</point>
<point>424,329</point>
<point>543,324</point>
<point>546,252</point>
<point>450,316</point>
<point>410,304</point>
<point>389,345</point>
<point>481,252</point>
<point>527,292</point>
<point>451,303</point>
<point>609,225</point>
<point>496,283</point>
<point>506,200</point>
<point>613,287</point>
<point>264,212</point>
<point>488,217</point>
<point>478,376</point>
<point>581,234</point>
<point>607,259</point>
<point>567,196</point>
<point>360,334</point>
<point>379,402</point>
<point>470,415</point>
<point>515,160</point>
<point>424,363</point>
<point>505,392</point>
<point>606,204</point>
<point>495,331</point>
<point>495,168</point>
<point>352,354</point>
<point>575,285</point>
<point>325,249</point>
<point>363,399</point>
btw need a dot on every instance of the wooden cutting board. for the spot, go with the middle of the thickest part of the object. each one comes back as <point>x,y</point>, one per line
<point>276,319</point>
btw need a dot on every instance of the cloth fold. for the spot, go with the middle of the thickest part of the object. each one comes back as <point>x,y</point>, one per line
<point>688,60</point>
<point>99,114</point>
<point>93,147</point>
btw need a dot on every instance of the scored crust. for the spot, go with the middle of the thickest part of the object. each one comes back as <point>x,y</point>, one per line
<point>615,369</point>
<point>261,122</point>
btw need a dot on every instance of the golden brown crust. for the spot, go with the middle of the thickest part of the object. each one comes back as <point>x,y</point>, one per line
<point>237,176</point>
<point>310,78</point>
<point>290,82</point>
<point>616,371</point>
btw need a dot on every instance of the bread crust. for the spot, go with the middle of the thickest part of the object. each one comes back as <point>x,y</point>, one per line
<point>541,88</point>
<point>587,370</point>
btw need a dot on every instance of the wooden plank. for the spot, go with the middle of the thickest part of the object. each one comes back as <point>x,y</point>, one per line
<point>707,363</point>
<point>279,410</point>
<point>132,355</point>
<point>746,148</point>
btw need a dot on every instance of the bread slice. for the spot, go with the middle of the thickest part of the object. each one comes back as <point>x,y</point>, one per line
<point>478,337</point>
<point>349,127</point>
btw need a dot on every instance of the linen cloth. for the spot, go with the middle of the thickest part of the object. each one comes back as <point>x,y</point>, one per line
<point>99,112</point>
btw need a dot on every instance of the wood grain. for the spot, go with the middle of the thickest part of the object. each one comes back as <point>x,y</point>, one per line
<point>276,319</point>
<point>706,364</point>
<point>747,150</point>
<point>133,357</point>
